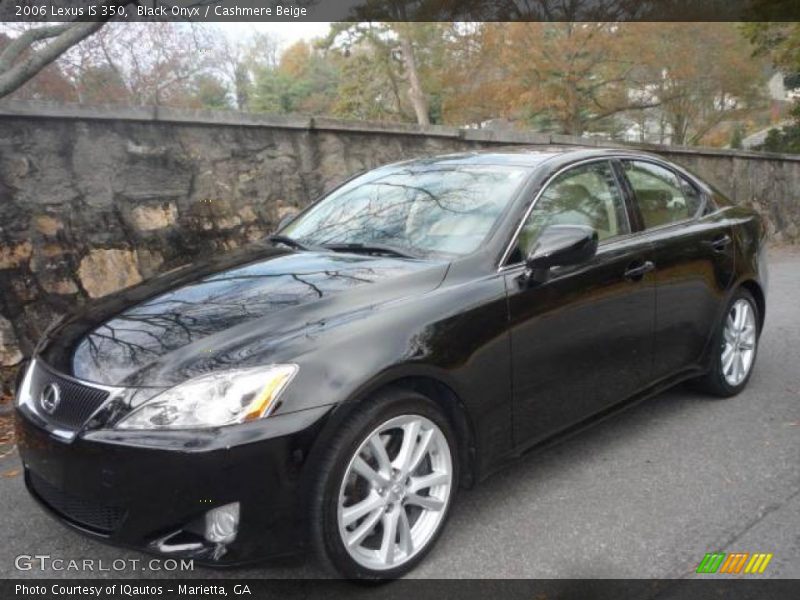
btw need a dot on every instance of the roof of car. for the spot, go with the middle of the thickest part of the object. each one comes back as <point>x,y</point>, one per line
<point>524,156</point>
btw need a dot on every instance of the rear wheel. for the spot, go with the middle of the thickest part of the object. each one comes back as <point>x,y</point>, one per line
<point>735,347</point>
<point>385,488</point>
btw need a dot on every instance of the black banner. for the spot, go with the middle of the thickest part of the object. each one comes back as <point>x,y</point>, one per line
<point>440,589</point>
<point>400,10</point>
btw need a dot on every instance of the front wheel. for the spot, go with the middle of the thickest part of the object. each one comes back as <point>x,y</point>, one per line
<point>735,347</point>
<point>385,488</point>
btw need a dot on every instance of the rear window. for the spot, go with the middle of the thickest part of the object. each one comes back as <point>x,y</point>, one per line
<point>663,197</point>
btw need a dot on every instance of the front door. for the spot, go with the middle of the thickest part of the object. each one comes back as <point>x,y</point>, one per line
<point>582,340</point>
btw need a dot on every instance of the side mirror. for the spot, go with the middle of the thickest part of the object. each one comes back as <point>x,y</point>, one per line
<point>560,246</point>
<point>288,218</point>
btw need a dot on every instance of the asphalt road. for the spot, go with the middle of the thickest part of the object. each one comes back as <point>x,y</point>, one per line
<point>643,495</point>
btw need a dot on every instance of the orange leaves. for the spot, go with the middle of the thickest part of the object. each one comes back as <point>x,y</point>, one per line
<point>573,77</point>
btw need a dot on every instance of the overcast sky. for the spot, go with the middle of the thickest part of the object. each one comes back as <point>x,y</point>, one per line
<point>287,32</point>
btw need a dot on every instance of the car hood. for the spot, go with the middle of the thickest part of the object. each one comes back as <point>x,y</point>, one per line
<point>194,319</point>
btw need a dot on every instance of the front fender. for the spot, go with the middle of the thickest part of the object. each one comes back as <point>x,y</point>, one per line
<point>455,338</point>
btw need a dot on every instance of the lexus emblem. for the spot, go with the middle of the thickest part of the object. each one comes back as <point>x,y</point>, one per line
<point>50,398</point>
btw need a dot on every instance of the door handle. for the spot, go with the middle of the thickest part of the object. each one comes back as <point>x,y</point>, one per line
<point>718,244</point>
<point>636,273</point>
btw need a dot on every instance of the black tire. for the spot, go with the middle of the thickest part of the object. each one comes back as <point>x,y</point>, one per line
<point>714,382</point>
<point>324,529</point>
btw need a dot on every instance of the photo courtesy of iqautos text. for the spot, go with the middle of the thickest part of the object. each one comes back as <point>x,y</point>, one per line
<point>480,299</point>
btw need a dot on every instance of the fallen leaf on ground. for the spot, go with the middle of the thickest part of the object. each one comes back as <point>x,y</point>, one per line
<point>11,473</point>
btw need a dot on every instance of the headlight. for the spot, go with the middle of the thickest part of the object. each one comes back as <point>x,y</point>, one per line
<point>23,391</point>
<point>213,400</point>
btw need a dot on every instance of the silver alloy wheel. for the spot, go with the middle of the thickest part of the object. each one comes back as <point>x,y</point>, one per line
<point>738,342</point>
<point>395,492</point>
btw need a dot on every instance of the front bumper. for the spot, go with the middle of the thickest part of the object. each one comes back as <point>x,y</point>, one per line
<point>149,489</point>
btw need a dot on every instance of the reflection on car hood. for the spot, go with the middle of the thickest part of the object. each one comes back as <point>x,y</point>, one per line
<point>173,326</point>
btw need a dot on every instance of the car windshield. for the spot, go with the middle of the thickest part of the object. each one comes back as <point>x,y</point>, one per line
<point>419,211</point>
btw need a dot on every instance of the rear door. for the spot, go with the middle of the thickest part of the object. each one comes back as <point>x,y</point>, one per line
<point>693,254</point>
<point>582,340</point>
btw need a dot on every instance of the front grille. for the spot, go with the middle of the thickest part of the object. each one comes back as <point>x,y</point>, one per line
<point>90,515</point>
<point>77,401</point>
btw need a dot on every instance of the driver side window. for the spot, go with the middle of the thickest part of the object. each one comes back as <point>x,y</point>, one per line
<point>585,195</point>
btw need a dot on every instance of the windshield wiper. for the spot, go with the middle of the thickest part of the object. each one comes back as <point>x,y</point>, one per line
<point>370,249</point>
<point>277,238</point>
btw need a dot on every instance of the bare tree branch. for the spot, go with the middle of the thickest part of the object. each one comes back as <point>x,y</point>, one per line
<point>14,73</point>
<point>25,40</point>
<point>14,77</point>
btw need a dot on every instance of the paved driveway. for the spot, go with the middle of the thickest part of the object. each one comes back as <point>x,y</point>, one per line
<point>645,494</point>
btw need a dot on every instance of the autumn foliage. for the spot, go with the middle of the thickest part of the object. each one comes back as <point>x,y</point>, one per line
<point>684,83</point>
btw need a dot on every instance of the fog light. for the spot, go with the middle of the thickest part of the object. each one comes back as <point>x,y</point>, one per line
<point>222,523</point>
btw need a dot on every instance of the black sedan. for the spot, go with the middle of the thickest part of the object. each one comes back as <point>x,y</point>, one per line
<point>333,386</point>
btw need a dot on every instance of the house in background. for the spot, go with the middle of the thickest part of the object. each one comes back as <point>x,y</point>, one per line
<point>780,96</point>
<point>781,99</point>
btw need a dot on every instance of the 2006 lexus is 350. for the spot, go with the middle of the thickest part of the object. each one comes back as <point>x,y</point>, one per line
<point>332,387</point>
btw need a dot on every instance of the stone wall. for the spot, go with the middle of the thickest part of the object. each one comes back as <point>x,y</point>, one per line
<point>93,200</point>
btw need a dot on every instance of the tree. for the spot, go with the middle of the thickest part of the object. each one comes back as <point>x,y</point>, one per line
<point>465,70</point>
<point>50,83</point>
<point>20,62</point>
<point>145,63</point>
<point>36,48</point>
<point>785,140</point>
<point>366,89</point>
<point>682,79</point>
<point>238,61</point>
<point>209,92</point>
<point>416,94</point>
<point>737,137</point>
<point>562,76</point>
<point>152,63</point>
<point>303,81</point>
<point>780,42</point>
<point>688,81</point>
<point>395,45</point>
<point>702,74</point>
<point>273,92</point>
<point>100,84</point>
<point>315,77</point>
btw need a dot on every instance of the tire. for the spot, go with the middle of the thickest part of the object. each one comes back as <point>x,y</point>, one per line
<point>720,380</point>
<point>387,419</point>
